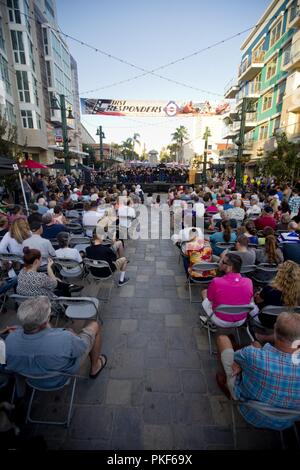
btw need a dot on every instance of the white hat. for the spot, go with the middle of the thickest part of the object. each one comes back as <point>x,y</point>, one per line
<point>75,190</point>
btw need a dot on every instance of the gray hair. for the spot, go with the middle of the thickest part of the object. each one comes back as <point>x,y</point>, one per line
<point>292,225</point>
<point>47,218</point>
<point>32,313</point>
<point>237,203</point>
<point>287,327</point>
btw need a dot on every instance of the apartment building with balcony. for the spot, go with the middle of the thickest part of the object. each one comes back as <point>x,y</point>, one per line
<point>269,58</point>
<point>35,65</point>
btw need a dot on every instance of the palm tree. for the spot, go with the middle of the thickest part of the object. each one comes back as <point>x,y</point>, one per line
<point>179,137</point>
<point>126,148</point>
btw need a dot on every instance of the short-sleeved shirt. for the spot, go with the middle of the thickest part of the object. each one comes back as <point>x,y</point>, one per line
<point>51,349</point>
<point>31,283</point>
<point>42,244</point>
<point>230,289</point>
<point>268,376</point>
<point>265,221</point>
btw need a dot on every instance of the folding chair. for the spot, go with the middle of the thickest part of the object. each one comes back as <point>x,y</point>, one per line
<point>248,268</point>
<point>77,240</point>
<point>69,269</point>
<point>272,310</point>
<point>80,308</point>
<point>266,270</point>
<point>230,310</point>
<point>74,228</point>
<point>88,230</point>
<point>280,414</point>
<point>11,257</point>
<point>200,281</point>
<point>71,380</point>
<point>225,246</point>
<point>89,264</point>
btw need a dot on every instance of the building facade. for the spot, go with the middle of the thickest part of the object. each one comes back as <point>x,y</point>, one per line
<point>267,81</point>
<point>35,68</point>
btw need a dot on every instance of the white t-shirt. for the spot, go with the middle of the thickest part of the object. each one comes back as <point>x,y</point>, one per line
<point>126,215</point>
<point>199,208</point>
<point>10,245</point>
<point>94,197</point>
<point>70,253</point>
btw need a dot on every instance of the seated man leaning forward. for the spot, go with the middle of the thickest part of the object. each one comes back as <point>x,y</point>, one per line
<point>230,289</point>
<point>37,349</point>
<point>268,374</point>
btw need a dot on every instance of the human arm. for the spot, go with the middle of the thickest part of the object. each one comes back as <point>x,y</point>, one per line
<point>51,274</point>
<point>51,251</point>
<point>4,243</point>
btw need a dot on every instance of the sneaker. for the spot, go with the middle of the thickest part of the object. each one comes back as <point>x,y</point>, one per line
<point>206,324</point>
<point>122,283</point>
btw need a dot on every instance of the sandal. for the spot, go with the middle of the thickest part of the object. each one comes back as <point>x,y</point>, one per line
<point>103,359</point>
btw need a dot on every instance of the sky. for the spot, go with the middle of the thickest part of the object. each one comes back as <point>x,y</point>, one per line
<point>151,33</point>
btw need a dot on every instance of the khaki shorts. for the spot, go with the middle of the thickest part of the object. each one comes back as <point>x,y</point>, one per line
<point>88,336</point>
<point>120,264</point>
<point>227,359</point>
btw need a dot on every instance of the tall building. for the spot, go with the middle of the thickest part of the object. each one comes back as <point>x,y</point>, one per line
<point>35,68</point>
<point>268,77</point>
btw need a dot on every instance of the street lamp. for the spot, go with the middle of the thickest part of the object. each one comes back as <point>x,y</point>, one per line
<point>61,106</point>
<point>102,136</point>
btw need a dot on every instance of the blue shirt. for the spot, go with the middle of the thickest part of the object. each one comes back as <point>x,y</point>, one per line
<point>218,237</point>
<point>269,376</point>
<point>50,350</point>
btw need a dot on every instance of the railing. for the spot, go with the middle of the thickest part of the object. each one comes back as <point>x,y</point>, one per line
<point>252,88</point>
<point>251,117</point>
<point>257,57</point>
<point>232,83</point>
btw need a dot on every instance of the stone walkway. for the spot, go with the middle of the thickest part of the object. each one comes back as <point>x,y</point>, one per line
<point>158,390</point>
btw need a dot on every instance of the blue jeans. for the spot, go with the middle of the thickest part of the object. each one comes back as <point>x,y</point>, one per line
<point>8,284</point>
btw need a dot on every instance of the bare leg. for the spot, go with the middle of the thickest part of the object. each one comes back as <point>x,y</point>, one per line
<point>119,248</point>
<point>96,349</point>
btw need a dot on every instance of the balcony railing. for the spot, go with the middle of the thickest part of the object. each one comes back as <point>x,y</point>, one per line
<point>257,58</point>
<point>295,16</point>
<point>231,89</point>
<point>251,90</point>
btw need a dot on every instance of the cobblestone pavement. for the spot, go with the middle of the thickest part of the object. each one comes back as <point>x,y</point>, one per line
<point>158,390</point>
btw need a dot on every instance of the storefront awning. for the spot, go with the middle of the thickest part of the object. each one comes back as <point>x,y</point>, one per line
<point>78,153</point>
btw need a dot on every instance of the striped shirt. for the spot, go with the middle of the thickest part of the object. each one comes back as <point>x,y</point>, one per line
<point>269,376</point>
<point>294,204</point>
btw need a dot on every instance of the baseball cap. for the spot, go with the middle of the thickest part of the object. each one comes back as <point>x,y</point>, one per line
<point>268,209</point>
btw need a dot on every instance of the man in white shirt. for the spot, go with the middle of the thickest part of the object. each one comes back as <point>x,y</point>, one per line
<point>92,217</point>
<point>237,212</point>
<point>66,252</point>
<point>126,214</point>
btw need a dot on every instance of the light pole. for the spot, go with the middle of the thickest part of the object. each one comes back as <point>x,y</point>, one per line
<point>246,108</point>
<point>101,136</point>
<point>206,135</point>
<point>61,106</point>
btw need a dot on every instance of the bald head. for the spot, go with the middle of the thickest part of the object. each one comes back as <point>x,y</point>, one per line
<point>287,328</point>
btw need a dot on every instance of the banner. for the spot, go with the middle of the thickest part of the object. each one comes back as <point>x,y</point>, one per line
<point>137,108</point>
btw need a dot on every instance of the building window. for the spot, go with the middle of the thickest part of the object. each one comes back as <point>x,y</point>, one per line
<point>275,33</point>
<point>36,94</point>
<point>27,119</point>
<point>5,74</point>
<point>27,15</point>
<point>14,11</point>
<point>45,38</point>
<point>39,121</point>
<point>293,10</point>
<point>280,92</point>
<point>9,113</point>
<point>271,69</point>
<point>31,53</point>
<point>48,70</point>
<point>49,8</point>
<point>267,101</point>
<point>18,47</point>
<point>23,86</point>
<point>276,124</point>
<point>2,41</point>
<point>287,54</point>
<point>263,132</point>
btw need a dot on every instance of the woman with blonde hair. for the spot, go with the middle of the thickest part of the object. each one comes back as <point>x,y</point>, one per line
<point>283,290</point>
<point>12,240</point>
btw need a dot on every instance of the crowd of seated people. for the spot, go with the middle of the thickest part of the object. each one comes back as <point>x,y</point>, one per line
<point>249,224</point>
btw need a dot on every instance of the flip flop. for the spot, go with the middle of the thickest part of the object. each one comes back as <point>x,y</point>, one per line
<point>103,364</point>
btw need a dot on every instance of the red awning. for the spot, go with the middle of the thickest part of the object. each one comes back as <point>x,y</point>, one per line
<point>32,164</point>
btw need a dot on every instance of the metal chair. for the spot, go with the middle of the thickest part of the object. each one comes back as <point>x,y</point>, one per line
<point>225,246</point>
<point>272,310</point>
<point>88,230</point>
<point>265,270</point>
<point>74,240</point>
<point>74,228</point>
<point>69,269</point>
<point>80,308</point>
<point>200,281</point>
<point>230,310</point>
<point>248,268</point>
<point>71,380</point>
<point>11,257</point>
<point>280,414</point>
<point>91,264</point>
